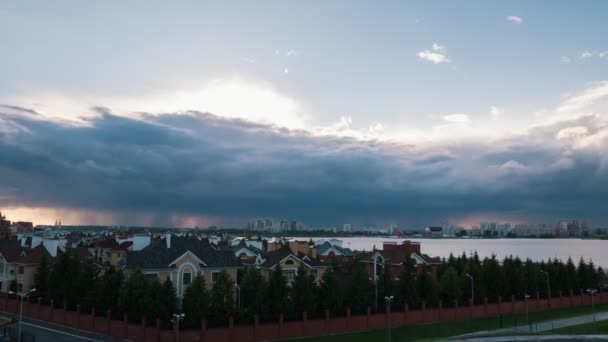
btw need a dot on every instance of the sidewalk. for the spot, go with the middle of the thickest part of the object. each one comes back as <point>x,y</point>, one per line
<point>539,326</point>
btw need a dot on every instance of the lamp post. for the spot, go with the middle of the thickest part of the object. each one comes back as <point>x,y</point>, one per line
<point>176,318</point>
<point>22,295</point>
<point>238,295</point>
<point>526,296</point>
<point>472,288</point>
<point>592,293</point>
<point>388,300</point>
<point>548,283</point>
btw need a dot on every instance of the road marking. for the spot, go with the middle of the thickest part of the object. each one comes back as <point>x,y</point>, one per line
<point>61,332</point>
<point>56,331</point>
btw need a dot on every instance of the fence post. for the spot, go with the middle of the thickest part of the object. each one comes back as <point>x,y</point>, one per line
<point>423,309</point>
<point>256,324</point>
<point>485,306</point>
<point>369,313</point>
<point>348,319</point>
<point>52,310</point>
<point>109,322</point>
<point>571,298</point>
<point>143,326</point>
<point>65,312</point>
<point>204,330</point>
<point>93,316</point>
<point>406,309</point>
<point>281,321</point>
<point>38,308</point>
<point>513,304</point>
<point>499,305</point>
<point>77,315</point>
<point>158,331</point>
<point>126,325</point>
<point>440,307</point>
<point>231,327</point>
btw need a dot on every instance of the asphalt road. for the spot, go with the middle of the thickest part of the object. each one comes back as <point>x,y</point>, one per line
<point>45,331</point>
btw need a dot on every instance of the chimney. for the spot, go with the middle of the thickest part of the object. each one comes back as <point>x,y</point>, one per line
<point>168,240</point>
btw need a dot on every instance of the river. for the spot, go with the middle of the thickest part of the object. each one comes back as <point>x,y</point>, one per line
<point>535,249</point>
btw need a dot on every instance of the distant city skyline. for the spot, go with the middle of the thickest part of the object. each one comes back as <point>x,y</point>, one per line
<point>206,113</point>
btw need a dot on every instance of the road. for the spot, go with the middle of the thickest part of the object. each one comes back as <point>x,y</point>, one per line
<point>537,327</point>
<point>45,331</point>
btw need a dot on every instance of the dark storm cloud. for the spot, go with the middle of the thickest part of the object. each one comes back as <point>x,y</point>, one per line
<point>199,164</point>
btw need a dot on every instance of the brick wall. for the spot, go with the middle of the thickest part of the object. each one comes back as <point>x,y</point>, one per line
<point>151,331</point>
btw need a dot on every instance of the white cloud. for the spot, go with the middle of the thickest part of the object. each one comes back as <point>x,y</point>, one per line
<point>603,54</point>
<point>572,132</point>
<point>586,54</point>
<point>515,19</point>
<point>566,59</point>
<point>513,166</point>
<point>437,54</point>
<point>495,111</point>
<point>457,118</point>
<point>586,100</point>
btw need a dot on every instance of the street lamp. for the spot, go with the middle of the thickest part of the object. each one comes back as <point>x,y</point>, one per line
<point>472,292</point>
<point>238,295</point>
<point>548,283</point>
<point>526,296</point>
<point>176,318</point>
<point>389,300</point>
<point>592,293</point>
<point>22,295</point>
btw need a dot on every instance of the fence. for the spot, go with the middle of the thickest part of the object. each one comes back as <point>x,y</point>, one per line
<point>282,329</point>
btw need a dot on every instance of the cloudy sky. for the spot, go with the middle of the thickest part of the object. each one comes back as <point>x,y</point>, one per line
<point>199,113</point>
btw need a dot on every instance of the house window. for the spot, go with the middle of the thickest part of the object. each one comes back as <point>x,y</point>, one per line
<point>187,277</point>
<point>289,262</point>
<point>2,267</point>
<point>214,276</point>
<point>19,287</point>
<point>151,276</point>
<point>21,269</point>
<point>289,275</point>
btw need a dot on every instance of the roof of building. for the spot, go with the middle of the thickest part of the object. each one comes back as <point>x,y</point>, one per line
<point>24,255</point>
<point>158,256</point>
<point>271,259</point>
<point>324,247</point>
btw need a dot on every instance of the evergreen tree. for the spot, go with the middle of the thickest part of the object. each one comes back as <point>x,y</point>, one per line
<point>329,297</point>
<point>385,285</point>
<point>152,307</point>
<point>253,291</point>
<point>41,278</point>
<point>167,301</point>
<point>222,299</point>
<point>276,293</point>
<point>133,294</point>
<point>302,292</point>
<point>407,283</point>
<point>427,288</point>
<point>196,301</point>
<point>359,293</point>
<point>449,286</point>
<point>107,290</point>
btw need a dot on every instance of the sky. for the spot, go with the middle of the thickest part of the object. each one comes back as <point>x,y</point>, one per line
<point>195,113</point>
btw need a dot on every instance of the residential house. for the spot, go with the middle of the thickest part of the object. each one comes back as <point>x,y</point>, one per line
<point>111,252</point>
<point>329,253</point>
<point>180,259</point>
<point>394,255</point>
<point>19,265</point>
<point>289,263</point>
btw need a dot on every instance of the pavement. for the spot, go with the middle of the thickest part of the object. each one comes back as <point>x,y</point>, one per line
<point>536,327</point>
<point>46,331</point>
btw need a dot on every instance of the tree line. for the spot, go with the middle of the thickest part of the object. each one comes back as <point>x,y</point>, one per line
<point>73,281</point>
